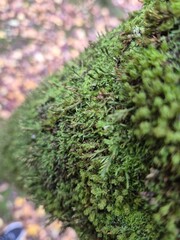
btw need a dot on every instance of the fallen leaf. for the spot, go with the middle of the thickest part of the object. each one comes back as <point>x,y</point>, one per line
<point>19,202</point>
<point>33,230</point>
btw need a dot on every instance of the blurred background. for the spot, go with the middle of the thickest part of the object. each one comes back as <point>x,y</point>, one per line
<point>36,38</point>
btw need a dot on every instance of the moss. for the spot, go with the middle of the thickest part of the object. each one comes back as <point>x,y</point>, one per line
<point>98,143</point>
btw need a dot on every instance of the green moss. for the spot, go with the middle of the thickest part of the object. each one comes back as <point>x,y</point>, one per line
<point>98,143</point>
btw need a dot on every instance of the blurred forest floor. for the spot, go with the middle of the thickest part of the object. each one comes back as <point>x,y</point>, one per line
<point>36,38</point>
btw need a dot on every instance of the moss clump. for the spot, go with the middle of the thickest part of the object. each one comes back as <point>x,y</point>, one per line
<point>98,143</point>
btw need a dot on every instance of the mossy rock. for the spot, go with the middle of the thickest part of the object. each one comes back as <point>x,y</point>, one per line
<point>98,143</point>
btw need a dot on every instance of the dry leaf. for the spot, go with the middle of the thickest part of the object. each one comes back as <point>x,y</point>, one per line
<point>33,230</point>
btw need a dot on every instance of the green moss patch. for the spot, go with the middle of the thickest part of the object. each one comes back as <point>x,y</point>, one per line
<point>98,143</point>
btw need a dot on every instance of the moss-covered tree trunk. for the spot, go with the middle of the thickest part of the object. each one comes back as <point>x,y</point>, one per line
<point>98,143</point>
